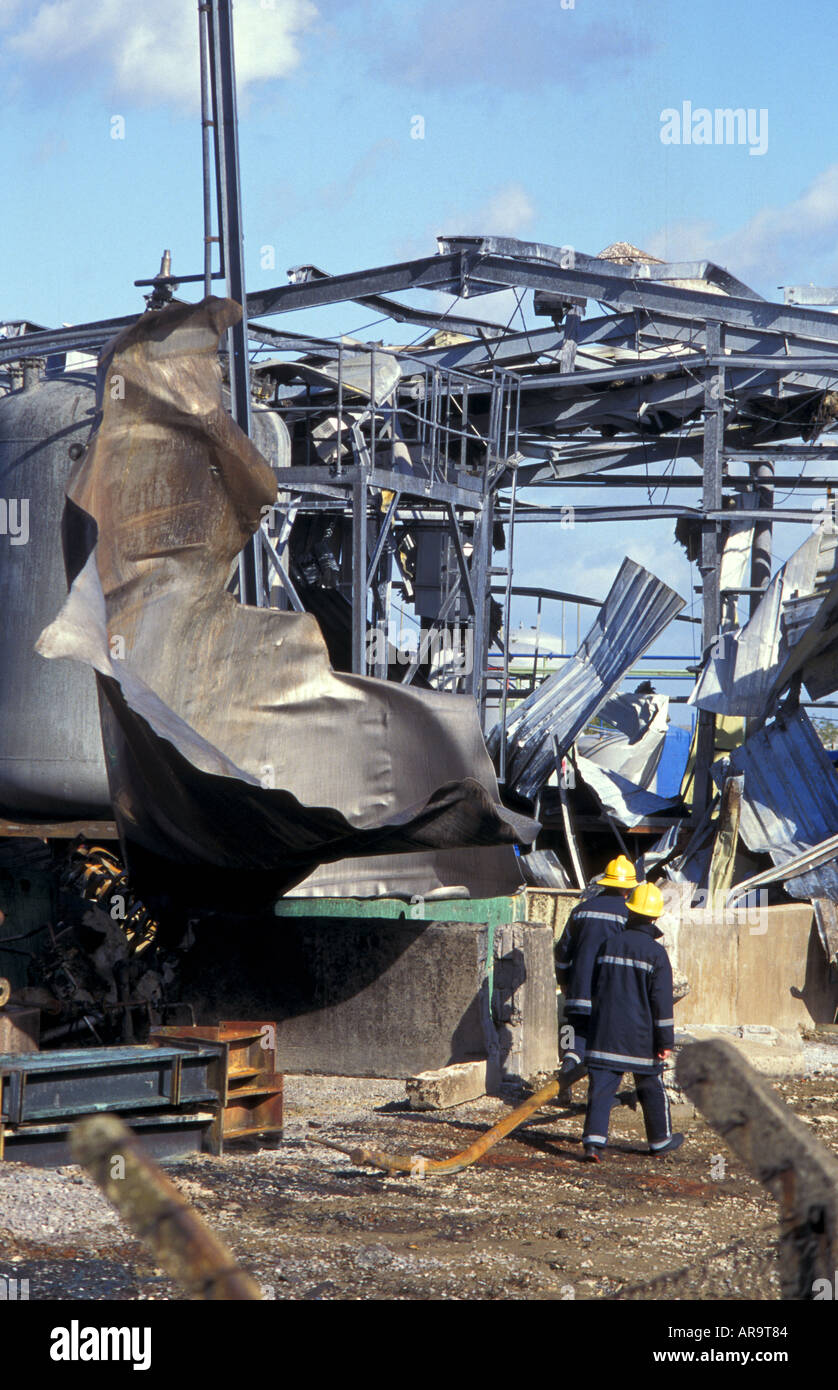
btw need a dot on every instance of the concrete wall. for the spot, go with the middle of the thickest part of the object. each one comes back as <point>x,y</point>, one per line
<point>375,997</point>
<point>524,1001</point>
<point>552,906</point>
<point>762,967</point>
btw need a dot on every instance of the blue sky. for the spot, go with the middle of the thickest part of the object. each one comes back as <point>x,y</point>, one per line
<point>539,121</point>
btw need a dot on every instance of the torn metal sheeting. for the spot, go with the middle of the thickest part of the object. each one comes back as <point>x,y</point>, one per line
<point>659,852</point>
<point>542,869</point>
<point>790,799</point>
<point>783,637</point>
<point>373,375</point>
<point>692,866</point>
<point>813,858</point>
<point>226,730</point>
<point>826,918</point>
<point>636,610</point>
<point>621,798</point>
<point>635,750</point>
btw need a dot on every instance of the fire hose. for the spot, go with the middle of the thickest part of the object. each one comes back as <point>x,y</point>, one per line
<point>417,1165</point>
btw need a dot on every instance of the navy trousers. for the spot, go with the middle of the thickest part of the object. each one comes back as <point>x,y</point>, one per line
<point>573,1061</point>
<point>602,1088</point>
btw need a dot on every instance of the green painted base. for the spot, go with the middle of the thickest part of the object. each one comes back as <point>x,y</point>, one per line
<point>481,911</point>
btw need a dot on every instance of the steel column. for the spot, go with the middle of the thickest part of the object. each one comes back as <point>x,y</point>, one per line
<point>225,130</point>
<point>762,473</point>
<point>359,569</point>
<point>711,549</point>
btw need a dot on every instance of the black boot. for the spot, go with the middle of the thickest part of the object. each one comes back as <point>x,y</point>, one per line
<point>675,1143</point>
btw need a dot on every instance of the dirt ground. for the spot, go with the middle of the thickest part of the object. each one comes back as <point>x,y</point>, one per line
<point>529,1221</point>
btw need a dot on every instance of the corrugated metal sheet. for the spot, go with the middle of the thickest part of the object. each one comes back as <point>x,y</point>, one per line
<point>783,636</point>
<point>637,609</point>
<point>619,797</point>
<point>636,750</point>
<point>790,800</point>
<point>826,918</point>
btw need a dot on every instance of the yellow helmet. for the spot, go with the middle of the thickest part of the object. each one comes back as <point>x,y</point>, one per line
<point>646,900</point>
<point>619,874</point>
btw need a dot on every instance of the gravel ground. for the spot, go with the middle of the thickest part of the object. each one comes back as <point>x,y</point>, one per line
<point>529,1221</point>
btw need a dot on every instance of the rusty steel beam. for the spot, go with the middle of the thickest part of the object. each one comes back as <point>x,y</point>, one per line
<point>58,830</point>
<point>148,1202</point>
<point>723,859</point>
<point>779,1150</point>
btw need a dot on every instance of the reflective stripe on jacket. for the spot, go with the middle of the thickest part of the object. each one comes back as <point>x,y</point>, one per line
<point>589,925</point>
<point>633,1010</point>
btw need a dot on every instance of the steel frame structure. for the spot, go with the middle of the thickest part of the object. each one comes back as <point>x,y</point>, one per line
<point>687,365</point>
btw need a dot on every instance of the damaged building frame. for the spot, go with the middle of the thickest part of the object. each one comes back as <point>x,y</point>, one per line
<point>378,477</point>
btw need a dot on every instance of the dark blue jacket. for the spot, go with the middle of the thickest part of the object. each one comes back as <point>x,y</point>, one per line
<point>589,925</point>
<point>632,991</point>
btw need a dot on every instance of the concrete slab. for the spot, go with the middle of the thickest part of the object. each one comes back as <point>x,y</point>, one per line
<point>454,1085</point>
<point>552,906</point>
<point>770,1051</point>
<point>763,966</point>
<point>383,996</point>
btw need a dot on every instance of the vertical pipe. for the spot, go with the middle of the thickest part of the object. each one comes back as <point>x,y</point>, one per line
<point>480,565</point>
<point>223,85</point>
<point>709,564</point>
<point>359,569</point>
<point>206,126</point>
<point>339,436</point>
<point>762,474</point>
<point>537,641</point>
<point>507,605</point>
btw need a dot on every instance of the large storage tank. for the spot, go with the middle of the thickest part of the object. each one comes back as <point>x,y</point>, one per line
<point>51,762</point>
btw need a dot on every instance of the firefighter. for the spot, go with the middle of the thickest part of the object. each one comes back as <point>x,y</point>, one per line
<point>632,1028</point>
<point>590,924</point>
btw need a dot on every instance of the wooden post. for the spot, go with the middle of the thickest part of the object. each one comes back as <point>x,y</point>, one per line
<point>145,1198</point>
<point>779,1150</point>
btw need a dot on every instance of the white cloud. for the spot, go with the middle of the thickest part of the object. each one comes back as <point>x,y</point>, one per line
<point>585,559</point>
<point>789,243</point>
<point>505,45</point>
<point>506,212</point>
<point>8,10</point>
<point>509,212</point>
<point>149,51</point>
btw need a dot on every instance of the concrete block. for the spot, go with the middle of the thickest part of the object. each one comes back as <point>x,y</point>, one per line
<point>524,1000</point>
<point>552,906</point>
<point>764,966</point>
<point>356,996</point>
<point>770,1051</point>
<point>351,996</point>
<point>454,1085</point>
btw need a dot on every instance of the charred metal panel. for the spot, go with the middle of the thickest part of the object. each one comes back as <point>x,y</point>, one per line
<point>790,799</point>
<point>231,744</point>
<point>795,624</point>
<point>637,609</point>
<point>51,761</point>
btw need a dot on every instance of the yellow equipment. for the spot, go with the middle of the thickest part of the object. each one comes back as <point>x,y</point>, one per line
<point>619,874</point>
<point>646,900</point>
